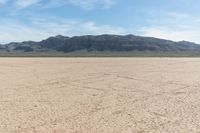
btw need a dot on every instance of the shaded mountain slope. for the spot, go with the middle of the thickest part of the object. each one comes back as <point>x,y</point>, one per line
<point>101,43</point>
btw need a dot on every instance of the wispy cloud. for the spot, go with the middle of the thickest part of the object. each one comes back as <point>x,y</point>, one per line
<point>41,28</point>
<point>174,26</point>
<point>83,4</point>
<point>90,4</point>
<point>93,28</point>
<point>22,23</point>
<point>2,2</point>
<point>25,3</point>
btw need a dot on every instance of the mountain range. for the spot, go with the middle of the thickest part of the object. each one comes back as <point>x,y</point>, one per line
<point>102,45</point>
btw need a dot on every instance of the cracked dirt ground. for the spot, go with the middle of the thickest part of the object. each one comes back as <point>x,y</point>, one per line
<point>99,95</point>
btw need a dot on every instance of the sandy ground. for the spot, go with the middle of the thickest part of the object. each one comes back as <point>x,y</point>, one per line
<point>99,95</point>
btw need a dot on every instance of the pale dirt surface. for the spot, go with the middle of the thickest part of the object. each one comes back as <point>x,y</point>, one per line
<point>99,95</point>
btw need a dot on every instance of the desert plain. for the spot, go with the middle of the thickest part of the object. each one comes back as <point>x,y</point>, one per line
<point>99,95</point>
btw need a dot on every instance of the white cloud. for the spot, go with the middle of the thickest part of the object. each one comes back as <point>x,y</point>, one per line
<point>2,1</point>
<point>25,3</point>
<point>16,29</point>
<point>83,4</point>
<point>90,4</point>
<point>93,28</point>
<point>171,34</point>
<point>173,26</point>
<point>12,30</point>
<point>109,3</point>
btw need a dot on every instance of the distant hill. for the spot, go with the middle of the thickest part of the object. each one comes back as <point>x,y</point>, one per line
<point>129,45</point>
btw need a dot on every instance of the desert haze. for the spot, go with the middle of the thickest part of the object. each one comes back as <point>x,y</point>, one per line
<point>99,95</point>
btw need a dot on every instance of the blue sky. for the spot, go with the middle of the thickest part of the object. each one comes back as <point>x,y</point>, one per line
<point>22,20</point>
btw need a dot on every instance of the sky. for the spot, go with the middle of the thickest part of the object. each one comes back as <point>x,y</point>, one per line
<point>23,20</point>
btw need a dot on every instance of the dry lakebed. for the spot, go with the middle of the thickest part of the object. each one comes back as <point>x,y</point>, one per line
<point>99,95</point>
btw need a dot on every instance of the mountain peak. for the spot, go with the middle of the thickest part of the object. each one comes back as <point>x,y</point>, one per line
<point>61,36</point>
